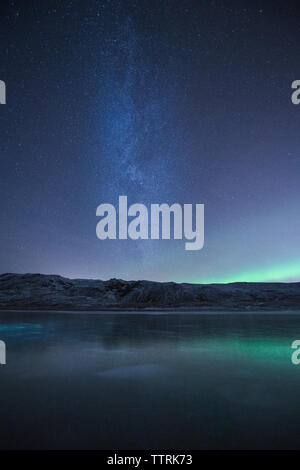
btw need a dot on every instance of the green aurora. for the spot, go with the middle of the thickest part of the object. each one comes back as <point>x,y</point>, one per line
<point>284,273</point>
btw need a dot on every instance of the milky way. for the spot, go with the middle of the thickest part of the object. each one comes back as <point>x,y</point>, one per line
<point>186,102</point>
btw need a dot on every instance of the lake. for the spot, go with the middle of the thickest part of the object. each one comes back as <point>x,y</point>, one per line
<point>149,381</point>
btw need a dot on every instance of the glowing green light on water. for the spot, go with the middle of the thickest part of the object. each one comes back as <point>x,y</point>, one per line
<point>277,273</point>
<point>268,349</point>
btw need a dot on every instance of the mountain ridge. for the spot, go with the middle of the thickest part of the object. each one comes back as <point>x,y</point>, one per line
<point>55,292</point>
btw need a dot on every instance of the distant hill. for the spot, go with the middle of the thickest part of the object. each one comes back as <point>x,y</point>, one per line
<point>51,292</point>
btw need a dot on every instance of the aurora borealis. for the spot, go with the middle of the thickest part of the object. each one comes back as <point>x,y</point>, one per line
<point>286,272</point>
<point>165,102</point>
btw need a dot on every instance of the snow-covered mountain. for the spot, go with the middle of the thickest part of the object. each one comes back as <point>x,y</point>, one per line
<point>51,292</point>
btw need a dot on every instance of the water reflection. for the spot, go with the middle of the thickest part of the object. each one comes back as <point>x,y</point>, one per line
<point>149,381</point>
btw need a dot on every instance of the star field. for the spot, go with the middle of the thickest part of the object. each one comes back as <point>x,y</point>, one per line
<point>162,101</point>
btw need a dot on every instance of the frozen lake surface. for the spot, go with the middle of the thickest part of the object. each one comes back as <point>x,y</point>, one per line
<point>149,381</point>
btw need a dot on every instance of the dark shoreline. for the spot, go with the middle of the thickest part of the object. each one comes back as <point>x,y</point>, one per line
<point>152,311</point>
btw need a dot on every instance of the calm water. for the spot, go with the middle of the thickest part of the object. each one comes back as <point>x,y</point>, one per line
<point>136,381</point>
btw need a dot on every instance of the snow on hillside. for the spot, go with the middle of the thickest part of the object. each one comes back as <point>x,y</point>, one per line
<point>38,291</point>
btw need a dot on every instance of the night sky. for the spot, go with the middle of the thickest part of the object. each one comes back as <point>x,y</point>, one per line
<point>162,101</point>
